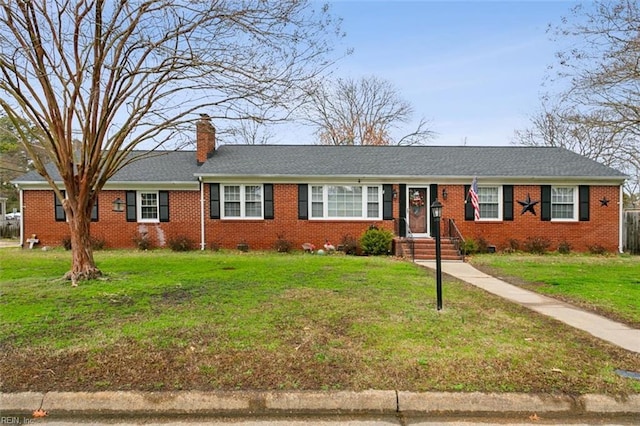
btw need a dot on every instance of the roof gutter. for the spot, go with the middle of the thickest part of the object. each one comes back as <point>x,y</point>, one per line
<point>115,186</point>
<point>524,180</point>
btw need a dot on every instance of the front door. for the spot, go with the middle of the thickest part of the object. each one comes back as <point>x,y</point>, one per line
<point>417,210</point>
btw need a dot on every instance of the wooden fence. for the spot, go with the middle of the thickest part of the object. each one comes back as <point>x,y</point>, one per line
<point>631,234</point>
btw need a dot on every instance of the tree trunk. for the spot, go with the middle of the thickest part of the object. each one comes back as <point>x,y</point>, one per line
<point>83,266</point>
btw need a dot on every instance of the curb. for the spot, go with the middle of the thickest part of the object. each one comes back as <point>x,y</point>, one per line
<point>312,402</point>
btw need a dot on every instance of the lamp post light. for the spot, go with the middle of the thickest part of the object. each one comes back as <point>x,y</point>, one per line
<point>436,213</point>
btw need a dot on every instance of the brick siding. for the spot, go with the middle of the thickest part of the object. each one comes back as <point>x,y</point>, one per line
<point>262,234</point>
<point>602,229</point>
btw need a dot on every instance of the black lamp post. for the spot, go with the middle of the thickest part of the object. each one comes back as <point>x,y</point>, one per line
<point>436,213</point>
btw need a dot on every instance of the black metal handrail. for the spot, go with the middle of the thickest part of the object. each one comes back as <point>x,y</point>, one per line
<point>456,237</point>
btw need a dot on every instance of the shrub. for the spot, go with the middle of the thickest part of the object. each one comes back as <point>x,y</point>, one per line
<point>181,243</point>
<point>564,247</point>
<point>537,245</point>
<point>215,246</point>
<point>97,243</point>
<point>142,241</point>
<point>469,247</point>
<point>376,241</point>
<point>597,249</point>
<point>66,242</point>
<point>483,245</point>
<point>514,245</point>
<point>282,245</point>
<point>349,244</point>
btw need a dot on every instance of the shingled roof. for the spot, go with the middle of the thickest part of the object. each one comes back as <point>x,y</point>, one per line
<point>157,166</point>
<point>406,161</point>
<point>299,161</point>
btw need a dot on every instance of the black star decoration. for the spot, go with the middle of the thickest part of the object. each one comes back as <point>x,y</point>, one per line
<point>528,205</point>
<point>604,202</point>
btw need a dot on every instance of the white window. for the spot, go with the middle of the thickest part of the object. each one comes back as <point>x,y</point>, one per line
<point>373,202</point>
<point>317,201</point>
<point>489,201</point>
<point>563,203</point>
<point>242,201</point>
<point>148,206</point>
<point>345,202</point>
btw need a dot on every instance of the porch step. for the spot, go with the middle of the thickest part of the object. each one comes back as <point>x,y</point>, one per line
<point>425,249</point>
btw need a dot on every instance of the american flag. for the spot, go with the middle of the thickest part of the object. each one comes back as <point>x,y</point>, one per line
<point>473,194</point>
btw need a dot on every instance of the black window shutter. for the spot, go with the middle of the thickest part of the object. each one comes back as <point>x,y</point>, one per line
<point>583,197</point>
<point>433,195</point>
<point>545,196</point>
<point>403,210</point>
<point>303,201</point>
<point>60,215</point>
<point>94,211</point>
<point>469,213</point>
<point>268,201</point>
<point>507,202</point>
<point>163,206</point>
<point>214,201</point>
<point>387,202</point>
<point>130,197</point>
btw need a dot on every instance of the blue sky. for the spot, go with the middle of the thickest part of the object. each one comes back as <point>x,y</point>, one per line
<point>474,69</point>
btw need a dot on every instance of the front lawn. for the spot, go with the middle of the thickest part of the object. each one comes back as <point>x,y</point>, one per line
<point>214,321</point>
<point>609,285</point>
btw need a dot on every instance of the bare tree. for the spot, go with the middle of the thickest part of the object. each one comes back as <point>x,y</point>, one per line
<point>118,74</point>
<point>14,161</point>
<point>250,131</point>
<point>597,114</point>
<point>601,66</point>
<point>362,112</point>
<point>584,133</point>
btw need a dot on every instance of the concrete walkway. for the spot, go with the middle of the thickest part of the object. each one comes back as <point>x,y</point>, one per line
<point>600,327</point>
<point>9,243</point>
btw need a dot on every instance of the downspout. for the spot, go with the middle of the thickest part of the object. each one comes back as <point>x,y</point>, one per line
<point>203,243</point>
<point>22,217</point>
<point>621,221</point>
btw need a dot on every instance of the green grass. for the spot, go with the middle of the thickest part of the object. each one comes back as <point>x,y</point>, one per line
<point>200,320</point>
<point>609,285</point>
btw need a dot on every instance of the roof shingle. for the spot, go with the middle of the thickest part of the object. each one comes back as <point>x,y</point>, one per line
<point>385,161</point>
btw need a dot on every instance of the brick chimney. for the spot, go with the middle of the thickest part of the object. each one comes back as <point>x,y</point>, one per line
<point>205,138</point>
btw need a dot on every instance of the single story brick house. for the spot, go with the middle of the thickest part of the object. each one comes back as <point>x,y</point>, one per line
<point>309,194</point>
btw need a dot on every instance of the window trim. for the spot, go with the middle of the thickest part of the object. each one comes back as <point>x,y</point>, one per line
<point>575,204</point>
<point>500,204</point>
<point>364,207</point>
<point>139,206</point>
<point>243,201</point>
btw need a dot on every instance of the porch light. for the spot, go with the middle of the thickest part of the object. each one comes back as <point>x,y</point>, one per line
<point>444,193</point>
<point>118,205</point>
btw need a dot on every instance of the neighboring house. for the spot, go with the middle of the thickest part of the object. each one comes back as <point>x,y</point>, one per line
<point>307,193</point>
